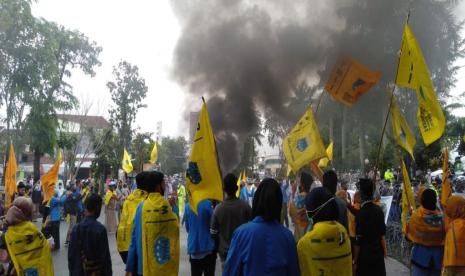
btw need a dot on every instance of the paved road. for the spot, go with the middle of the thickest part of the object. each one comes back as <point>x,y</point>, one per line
<point>61,263</point>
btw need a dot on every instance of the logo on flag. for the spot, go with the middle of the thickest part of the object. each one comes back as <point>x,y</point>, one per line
<point>302,144</point>
<point>193,173</point>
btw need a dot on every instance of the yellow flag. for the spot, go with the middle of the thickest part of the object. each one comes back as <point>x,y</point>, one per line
<point>303,144</point>
<point>50,179</point>
<point>289,170</point>
<point>239,185</point>
<point>408,202</point>
<point>323,163</point>
<point>10,176</point>
<point>402,133</point>
<point>349,80</point>
<point>244,177</point>
<point>446,190</point>
<point>203,177</point>
<point>413,73</point>
<point>126,163</point>
<point>154,154</point>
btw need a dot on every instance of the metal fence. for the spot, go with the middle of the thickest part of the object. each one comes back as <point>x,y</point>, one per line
<point>397,246</point>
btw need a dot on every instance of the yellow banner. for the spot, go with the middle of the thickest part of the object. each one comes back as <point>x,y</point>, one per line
<point>349,80</point>
<point>446,190</point>
<point>303,144</point>
<point>50,179</point>
<point>403,135</point>
<point>126,163</point>
<point>413,73</point>
<point>323,163</point>
<point>154,154</point>
<point>203,177</point>
<point>10,176</point>
<point>408,201</point>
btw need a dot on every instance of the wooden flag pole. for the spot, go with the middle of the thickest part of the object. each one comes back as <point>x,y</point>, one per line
<point>389,109</point>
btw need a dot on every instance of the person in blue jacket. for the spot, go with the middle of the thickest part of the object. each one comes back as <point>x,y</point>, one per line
<point>56,204</point>
<point>200,245</point>
<point>263,246</point>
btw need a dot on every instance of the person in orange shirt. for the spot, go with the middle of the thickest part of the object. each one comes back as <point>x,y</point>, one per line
<point>454,249</point>
<point>297,210</point>
<point>426,230</point>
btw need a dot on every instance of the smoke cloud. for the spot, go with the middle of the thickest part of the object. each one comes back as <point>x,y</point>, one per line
<point>245,57</point>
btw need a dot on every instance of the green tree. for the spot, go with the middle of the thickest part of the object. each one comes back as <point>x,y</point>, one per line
<point>172,155</point>
<point>141,147</point>
<point>106,160</point>
<point>128,90</point>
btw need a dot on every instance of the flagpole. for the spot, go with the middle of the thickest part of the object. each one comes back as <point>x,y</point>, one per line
<point>389,109</point>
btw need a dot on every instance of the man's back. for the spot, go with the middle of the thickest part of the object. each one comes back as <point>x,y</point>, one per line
<point>227,216</point>
<point>88,249</point>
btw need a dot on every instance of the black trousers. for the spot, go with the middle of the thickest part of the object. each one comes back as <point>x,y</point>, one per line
<point>55,231</point>
<point>124,256</point>
<point>205,266</point>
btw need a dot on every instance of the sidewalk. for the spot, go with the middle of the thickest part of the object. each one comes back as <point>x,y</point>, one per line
<point>396,268</point>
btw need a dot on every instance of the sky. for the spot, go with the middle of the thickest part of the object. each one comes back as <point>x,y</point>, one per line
<point>144,33</point>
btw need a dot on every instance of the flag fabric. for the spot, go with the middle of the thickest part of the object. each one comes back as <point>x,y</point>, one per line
<point>244,177</point>
<point>203,177</point>
<point>413,73</point>
<point>349,80</point>
<point>239,180</point>
<point>403,134</point>
<point>10,176</point>
<point>50,179</point>
<point>323,163</point>
<point>408,202</point>
<point>446,190</point>
<point>154,154</point>
<point>289,170</point>
<point>303,144</point>
<point>126,163</point>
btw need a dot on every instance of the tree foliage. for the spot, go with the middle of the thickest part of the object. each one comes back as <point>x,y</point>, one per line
<point>128,90</point>
<point>172,155</point>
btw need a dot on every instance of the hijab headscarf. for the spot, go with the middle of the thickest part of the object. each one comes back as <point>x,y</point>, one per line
<point>20,211</point>
<point>455,207</point>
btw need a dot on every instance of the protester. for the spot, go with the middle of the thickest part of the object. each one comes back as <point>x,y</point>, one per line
<point>181,199</point>
<point>21,190</point>
<point>345,188</point>
<point>200,245</point>
<point>263,246</point>
<point>28,258</point>
<point>60,189</point>
<point>426,230</point>
<point>163,256</point>
<point>56,203</point>
<point>454,249</point>
<point>247,192</point>
<point>124,232</point>
<point>330,183</point>
<point>71,209</point>
<point>325,249</point>
<point>228,215</point>
<point>297,206</point>
<point>36,199</point>
<point>370,229</point>
<point>88,252</point>
<point>351,216</point>
<point>110,209</point>
<point>285,189</point>
<point>85,191</point>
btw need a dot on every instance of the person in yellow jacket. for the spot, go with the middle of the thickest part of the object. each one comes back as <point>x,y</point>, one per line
<point>124,232</point>
<point>454,249</point>
<point>110,208</point>
<point>27,247</point>
<point>181,199</point>
<point>426,230</point>
<point>154,247</point>
<point>325,249</point>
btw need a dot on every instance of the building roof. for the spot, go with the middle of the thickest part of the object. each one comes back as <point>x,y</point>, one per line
<point>87,121</point>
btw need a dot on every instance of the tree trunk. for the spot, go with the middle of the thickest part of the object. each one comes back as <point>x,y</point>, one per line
<point>361,145</point>
<point>343,137</point>
<point>36,166</point>
<point>331,130</point>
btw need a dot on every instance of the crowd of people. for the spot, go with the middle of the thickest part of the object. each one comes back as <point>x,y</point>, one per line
<point>334,233</point>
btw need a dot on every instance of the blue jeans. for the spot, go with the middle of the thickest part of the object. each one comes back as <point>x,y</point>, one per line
<point>418,271</point>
